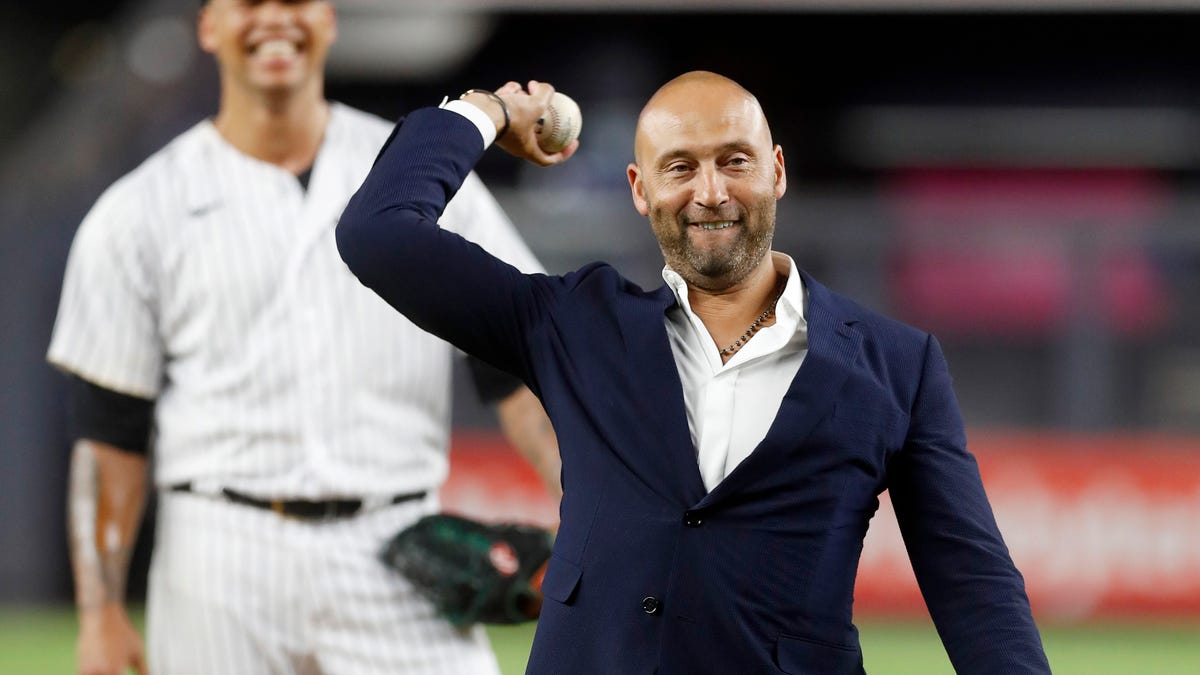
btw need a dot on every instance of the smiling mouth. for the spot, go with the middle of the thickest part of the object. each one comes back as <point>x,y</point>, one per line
<point>272,49</point>
<point>716,225</point>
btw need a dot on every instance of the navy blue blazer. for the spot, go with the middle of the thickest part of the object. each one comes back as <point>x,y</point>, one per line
<point>650,572</point>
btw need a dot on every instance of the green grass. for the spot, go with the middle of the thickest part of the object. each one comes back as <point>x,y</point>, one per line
<point>41,642</point>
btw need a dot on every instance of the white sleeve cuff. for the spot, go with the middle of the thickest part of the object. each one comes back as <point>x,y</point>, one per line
<point>481,120</point>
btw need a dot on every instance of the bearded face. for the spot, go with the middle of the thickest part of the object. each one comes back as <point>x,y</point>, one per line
<point>707,176</point>
<point>714,248</point>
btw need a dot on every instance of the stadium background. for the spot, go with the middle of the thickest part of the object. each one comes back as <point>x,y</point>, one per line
<point>1019,177</point>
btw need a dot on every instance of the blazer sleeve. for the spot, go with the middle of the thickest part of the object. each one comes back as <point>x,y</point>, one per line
<point>389,237</point>
<point>974,592</point>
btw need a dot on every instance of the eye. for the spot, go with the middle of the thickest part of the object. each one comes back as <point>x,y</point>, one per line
<point>738,161</point>
<point>678,168</point>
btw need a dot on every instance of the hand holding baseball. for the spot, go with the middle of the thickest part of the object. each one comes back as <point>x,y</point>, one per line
<point>543,124</point>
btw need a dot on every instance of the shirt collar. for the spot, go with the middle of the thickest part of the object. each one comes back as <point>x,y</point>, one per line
<point>790,302</point>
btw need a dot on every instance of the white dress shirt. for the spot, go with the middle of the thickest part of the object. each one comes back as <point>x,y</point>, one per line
<point>730,406</point>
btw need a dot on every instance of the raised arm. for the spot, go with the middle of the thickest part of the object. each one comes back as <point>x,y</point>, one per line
<point>389,237</point>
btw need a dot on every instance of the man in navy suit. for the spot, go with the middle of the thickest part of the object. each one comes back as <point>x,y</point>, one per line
<point>724,437</point>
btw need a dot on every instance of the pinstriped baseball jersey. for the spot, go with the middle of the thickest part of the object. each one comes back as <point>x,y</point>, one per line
<point>210,281</point>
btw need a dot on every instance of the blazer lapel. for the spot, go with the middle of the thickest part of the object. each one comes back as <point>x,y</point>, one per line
<point>655,389</point>
<point>833,347</point>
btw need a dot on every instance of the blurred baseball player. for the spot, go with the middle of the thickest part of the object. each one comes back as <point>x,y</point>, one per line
<point>298,421</point>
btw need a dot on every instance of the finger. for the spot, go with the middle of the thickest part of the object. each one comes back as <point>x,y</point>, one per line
<point>509,87</point>
<point>541,92</point>
<point>568,151</point>
<point>562,155</point>
<point>543,158</point>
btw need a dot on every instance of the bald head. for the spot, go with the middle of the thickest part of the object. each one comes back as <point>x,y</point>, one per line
<point>685,100</point>
<point>707,175</point>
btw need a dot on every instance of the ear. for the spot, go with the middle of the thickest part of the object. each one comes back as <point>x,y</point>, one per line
<point>205,32</point>
<point>637,189</point>
<point>780,173</point>
<point>333,23</point>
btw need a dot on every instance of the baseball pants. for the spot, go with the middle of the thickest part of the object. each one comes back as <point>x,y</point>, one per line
<point>236,589</point>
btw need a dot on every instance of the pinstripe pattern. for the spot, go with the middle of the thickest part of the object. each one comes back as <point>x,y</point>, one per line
<point>235,590</point>
<point>210,281</point>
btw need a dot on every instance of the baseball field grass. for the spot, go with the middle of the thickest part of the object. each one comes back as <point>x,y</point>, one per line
<point>40,641</point>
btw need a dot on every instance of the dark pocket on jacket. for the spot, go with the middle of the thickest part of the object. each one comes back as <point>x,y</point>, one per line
<point>801,656</point>
<point>562,577</point>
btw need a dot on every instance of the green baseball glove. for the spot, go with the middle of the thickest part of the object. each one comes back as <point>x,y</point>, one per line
<point>473,572</point>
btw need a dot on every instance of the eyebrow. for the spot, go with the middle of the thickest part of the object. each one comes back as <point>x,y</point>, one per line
<point>680,153</point>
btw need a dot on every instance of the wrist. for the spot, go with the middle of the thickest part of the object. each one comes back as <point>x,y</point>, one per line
<point>493,105</point>
<point>102,611</point>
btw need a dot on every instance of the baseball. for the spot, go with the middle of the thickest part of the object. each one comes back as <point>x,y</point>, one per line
<point>560,125</point>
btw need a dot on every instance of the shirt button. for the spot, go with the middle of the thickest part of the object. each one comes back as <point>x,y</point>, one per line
<point>692,519</point>
<point>651,605</point>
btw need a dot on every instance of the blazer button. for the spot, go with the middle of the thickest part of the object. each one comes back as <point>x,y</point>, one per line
<point>651,605</point>
<point>692,519</point>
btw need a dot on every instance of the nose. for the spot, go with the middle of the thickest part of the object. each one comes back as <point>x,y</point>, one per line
<point>711,190</point>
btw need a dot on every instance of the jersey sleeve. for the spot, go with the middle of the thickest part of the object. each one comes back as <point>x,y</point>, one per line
<point>475,214</point>
<point>106,331</point>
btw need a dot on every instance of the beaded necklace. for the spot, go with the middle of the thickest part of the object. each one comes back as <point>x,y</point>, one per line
<point>754,326</point>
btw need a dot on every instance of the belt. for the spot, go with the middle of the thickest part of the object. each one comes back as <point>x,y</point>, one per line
<point>301,509</point>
